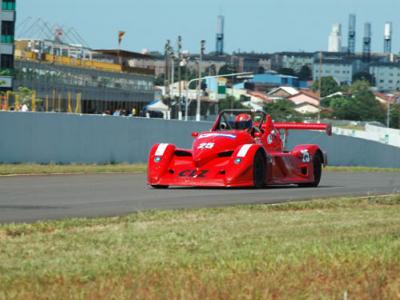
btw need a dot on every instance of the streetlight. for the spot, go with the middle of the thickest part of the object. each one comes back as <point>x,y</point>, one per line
<point>200,79</point>
<point>180,63</point>
<point>198,110</point>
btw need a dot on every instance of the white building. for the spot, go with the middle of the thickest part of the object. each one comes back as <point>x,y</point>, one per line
<point>335,39</point>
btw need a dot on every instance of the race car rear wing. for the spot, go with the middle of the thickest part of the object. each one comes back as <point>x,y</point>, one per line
<point>304,126</point>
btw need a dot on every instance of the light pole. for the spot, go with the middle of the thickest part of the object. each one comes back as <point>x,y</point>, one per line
<point>179,76</point>
<point>198,110</point>
<point>388,115</point>
<point>200,79</point>
<point>319,87</point>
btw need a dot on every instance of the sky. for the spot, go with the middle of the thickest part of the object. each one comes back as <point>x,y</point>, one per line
<point>250,25</point>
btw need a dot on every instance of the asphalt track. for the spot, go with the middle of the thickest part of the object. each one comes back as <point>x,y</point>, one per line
<point>33,198</point>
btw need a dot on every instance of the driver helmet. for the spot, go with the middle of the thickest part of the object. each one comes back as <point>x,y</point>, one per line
<point>243,121</point>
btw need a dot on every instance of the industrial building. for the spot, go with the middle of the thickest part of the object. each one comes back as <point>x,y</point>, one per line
<point>219,44</point>
<point>335,39</point>
<point>7,27</point>
<point>387,76</point>
<point>292,60</point>
<point>342,70</point>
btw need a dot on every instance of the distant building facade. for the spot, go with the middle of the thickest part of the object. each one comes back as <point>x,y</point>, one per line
<point>341,70</point>
<point>386,75</point>
<point>7,27</point>
<point>292,60</point>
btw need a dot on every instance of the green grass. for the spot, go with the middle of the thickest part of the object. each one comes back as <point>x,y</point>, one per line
<point>45,169</point>
<point>352,127</point>
<point>304,250</point>
<point>360,169</point>
<point>38,169</point>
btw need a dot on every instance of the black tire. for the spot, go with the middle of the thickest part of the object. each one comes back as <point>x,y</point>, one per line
<point>159,186</point>
<point>259,170</point>
<point>317,163</point>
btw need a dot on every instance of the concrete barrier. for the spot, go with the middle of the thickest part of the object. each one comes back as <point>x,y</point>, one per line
<point>71,138</point>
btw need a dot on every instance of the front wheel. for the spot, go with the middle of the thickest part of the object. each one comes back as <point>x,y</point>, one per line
<point>317,166</point>
<point>259,170</point>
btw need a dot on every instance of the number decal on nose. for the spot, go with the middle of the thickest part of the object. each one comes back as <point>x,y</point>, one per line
<point>205,146</point>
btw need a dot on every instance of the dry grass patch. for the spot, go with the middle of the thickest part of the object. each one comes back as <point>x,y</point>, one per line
<point>47,169</point>
<point>304,250</point>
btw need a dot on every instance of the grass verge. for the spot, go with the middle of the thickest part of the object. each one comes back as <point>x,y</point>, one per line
<point>360,169</point>
<point>306,250</point>
<point>38,169</point>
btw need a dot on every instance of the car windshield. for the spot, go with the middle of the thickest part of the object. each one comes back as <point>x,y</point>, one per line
<point>239,120</point>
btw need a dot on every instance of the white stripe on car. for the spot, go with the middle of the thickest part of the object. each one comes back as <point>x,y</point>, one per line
<point>161,149</point>
<point>243,151</point>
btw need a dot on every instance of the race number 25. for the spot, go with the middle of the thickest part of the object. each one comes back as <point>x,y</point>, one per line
<point>206,146</point>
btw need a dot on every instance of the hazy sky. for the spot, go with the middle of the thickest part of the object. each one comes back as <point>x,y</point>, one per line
<point>259,25</point>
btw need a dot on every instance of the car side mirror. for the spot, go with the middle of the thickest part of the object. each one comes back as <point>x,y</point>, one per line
<point>195,134</point>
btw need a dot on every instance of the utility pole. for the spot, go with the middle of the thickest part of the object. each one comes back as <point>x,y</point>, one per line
<point>319,87</point>
<point>198,110</point>
<point>179,76</point>
<point>388,115</point>
<point>166,74</point>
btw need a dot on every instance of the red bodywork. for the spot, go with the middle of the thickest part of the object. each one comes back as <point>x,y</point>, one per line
<point>226,158</point>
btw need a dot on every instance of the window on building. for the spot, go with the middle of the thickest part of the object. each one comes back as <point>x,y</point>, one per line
<point>7,28</point>
<point>381,81</point>
<point>6,61</point>
<point>8,5</point>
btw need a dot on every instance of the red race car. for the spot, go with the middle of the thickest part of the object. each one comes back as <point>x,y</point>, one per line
<point>242,149</point>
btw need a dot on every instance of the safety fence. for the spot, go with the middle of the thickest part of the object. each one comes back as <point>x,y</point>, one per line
<point>76,138</point>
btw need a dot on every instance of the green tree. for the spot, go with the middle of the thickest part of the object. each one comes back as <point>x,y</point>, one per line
<point>282,110</point>
<point>361,106</point>
<point>229,102</point>
<point>287,71</point>
<point>395,115</point>
<point>227,69</point>
<point>364,76</point>
<point>305,73</point>
<point>328,86</point>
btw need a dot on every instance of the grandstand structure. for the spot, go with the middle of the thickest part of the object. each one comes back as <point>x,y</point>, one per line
<point>58,70</point>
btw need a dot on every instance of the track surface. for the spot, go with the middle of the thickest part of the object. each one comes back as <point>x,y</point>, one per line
<point>32,198</point>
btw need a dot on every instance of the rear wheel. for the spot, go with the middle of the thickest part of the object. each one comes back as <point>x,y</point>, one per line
<point>317,164</point>
<point>259,170</point>
<point>159,186</point>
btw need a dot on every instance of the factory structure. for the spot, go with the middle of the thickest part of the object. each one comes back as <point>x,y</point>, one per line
<point>345,62</point>
<point>335,38</point>
<point>219,46</point>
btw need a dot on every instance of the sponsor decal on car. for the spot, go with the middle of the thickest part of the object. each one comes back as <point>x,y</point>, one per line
<point>227,135</point>
<point>193,173</point>
<point>306,156</point>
